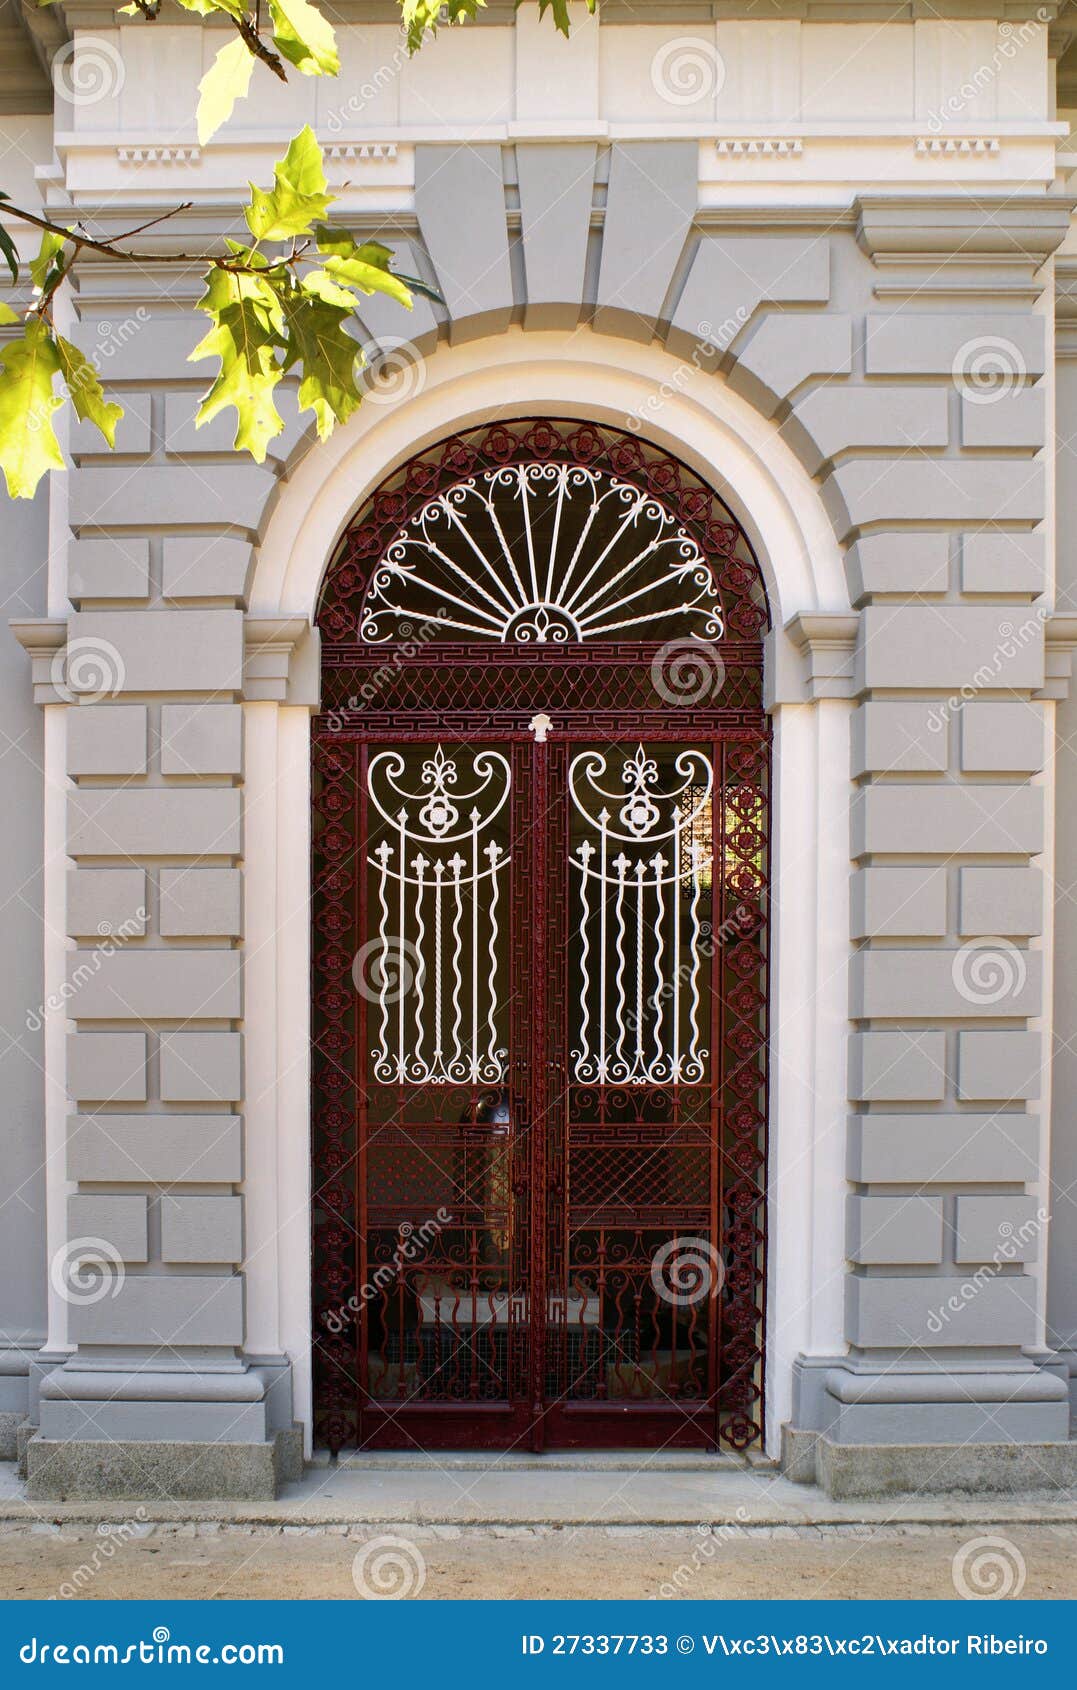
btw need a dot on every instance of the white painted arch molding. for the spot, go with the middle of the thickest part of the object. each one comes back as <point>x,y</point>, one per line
<point>693,415</point>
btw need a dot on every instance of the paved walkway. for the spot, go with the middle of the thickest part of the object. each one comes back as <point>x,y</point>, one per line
<point>511,1491</point>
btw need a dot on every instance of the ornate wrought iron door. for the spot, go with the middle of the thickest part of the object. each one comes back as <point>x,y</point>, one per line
<point>539,981</point>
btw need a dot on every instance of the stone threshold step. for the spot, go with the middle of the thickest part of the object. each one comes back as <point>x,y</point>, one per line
<point>557,1461</point>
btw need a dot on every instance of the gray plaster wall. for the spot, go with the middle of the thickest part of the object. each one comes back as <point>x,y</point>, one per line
<point>936,505</point>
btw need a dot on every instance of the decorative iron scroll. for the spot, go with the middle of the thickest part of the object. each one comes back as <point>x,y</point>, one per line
<point>439,880</point>
<point>642,874</point>
<point>542,532</point>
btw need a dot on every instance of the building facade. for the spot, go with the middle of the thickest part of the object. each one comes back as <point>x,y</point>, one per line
<point>546,921</point>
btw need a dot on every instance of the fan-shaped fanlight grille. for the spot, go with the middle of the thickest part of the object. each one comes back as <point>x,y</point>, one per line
<point>540,533</point>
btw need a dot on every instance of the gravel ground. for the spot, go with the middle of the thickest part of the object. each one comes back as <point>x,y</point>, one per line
<point>170,1562</point>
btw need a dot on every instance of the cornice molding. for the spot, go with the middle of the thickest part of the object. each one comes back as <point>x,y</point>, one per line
<point>1060,643</point>
<point>826,641</point>
<point>280,660</point>
<point>44,638</point>
<point>1014,229</point>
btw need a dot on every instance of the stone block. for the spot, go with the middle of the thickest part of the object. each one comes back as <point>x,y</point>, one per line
<point>839,417</point>
<point>106,903</point>
<point>891,985</point>
<point>205,566</point>
<point>923,343</point>
<point>909,564</point>
<point>785,351</point>
<point>946,647</point>
<point>998,1066</point>
<point>897,1066</point>
<point>967,1149</point>
<point>898,736</point>
<point>201,902</point>
<point>1016,418</point>
<point>1003,738</point>
<point>167,496</point>
<point>158,1309</point>
<point>161,985</point>
<point>732,275</point>
<point>201,739</point>
<point>898,903</point>
<point>904,1230</point>
<point>117,568</point>
<point>155,1149</point>
<point>650,204</point>
<point>1004,901</point>
<point>469,253</point>
<point>946,820</point>
<point>106,1067</point>
<point>556,183</point>
<point>106,739</point>
<point>154,823</point>
<point>201,1067</point>
<point>201,1229</point>
<point>942,1313</point>
<point>998,1229</point>
<point>1003,564</point>
<point>121,1224</point>
<point>893,490</point>
<point>132,430</point>
<point>163,650</point>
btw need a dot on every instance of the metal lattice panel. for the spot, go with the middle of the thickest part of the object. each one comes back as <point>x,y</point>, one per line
<point>538,1174</point>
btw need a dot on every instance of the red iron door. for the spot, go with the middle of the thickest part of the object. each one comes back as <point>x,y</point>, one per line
<point>539,1052</point>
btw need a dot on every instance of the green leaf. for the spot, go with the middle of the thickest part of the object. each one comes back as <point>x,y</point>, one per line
<point>205,8</point>
<point>247,333</point>
<point>43,267</point>
<point>7,247</point>
<point>227,80</point>
<point>28,443</point>
<point>299,194</point>
<point>422,17</point>
<point>87,394</point>
<point>303,37</point>
<point>7,315</point>
<point>319,341</point>
<point>368,278</point>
